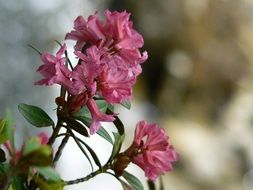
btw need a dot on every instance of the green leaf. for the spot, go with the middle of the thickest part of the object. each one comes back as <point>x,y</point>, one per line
<point>119,137</point>
<point>17,183</point>
<point>56,186</point>
<point>161,184</point>
<point>133,181</point>
<point>81,147</point>
<point>2,155</point>
<point>3,135</point>
<point>40,157</point>
<point>35,154</point>
<point>84,112</point>
<point>151,185</point>
<point>9,127</point>
<point>126,104</point>
<point>76,126</point>
<point>48,173</point>
<point>93,154</point>
<point>111,107</point>
<point>31,145</point>
<point>116,145</point>
<point>103,133</point>
<point>4,168</point>
<point>102,105</point>
<point>125,185</point>
<point>35,115</point>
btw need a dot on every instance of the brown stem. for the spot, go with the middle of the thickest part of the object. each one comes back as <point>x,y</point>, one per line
<point>55,133</point>
<point>60,149</point>
<point>91,175</point>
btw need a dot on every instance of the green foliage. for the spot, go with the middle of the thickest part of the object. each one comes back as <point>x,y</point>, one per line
<point>35,115</point>
<point>9,127</point>
<point>133,181</point>
<point>3,134</point>
<point>103,133</point>
<point>93,154</point>
<point>118,137</point>
<point>76,126</point>
<point>84,114</point>
<point>35,154</point>
<point>126,104</point>
<point>17,183</point>
<point>125,185</point>
<point>51,181</point>
<point>116,145</point>
<point>48,173</point>
<point>151,185</point>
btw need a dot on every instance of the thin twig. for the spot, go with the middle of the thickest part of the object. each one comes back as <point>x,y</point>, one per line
<point>55,133</point>
<point>86,178</point>
<point>60,149</point>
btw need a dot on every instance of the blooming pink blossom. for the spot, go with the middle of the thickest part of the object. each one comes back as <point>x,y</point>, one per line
<point>84,74</point>
<point>115,34</point>
<point>90,31</point>
<point>151,150</point>
<point>116,81</point>
<point>53,70</point>
<point>97,116</point>
<point>118,26</point>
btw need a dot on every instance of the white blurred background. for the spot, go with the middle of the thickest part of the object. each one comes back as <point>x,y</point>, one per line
<point>197,83</point>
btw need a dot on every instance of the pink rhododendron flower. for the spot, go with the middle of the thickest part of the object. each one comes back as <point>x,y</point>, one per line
<point>90,31</point>
<point>84,75</point>
<point>116,82</point>
<point>53,70</point>
<point>97,116</point>
<point>115,34</point>
<point>151,150</point>
<point>118,26</point>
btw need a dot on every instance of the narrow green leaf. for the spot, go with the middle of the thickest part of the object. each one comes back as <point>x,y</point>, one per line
<point>93,154</point>
<point>84,112</point>
<point>116,145</point>
<point>125,185</point>
<point>111,107</point>
<point>126,104</point>
<point>76,126</point>
<point>81,148</point>
<point>151,185</point>
<point>118,124</point>
<point>133,181</point>
<point>103,133</point>
<point>3,132</point>
<point>161,184</point>
<point>48,173</point>
<point>102,105</point>
<point>35,115</point>
<point>119,137</point>
<point>9,127</point>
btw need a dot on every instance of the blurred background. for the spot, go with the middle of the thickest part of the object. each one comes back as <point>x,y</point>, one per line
<point>197,82</point>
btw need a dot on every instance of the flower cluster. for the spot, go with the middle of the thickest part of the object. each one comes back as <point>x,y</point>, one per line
<point>150,150</point>
<point>108,63</point>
